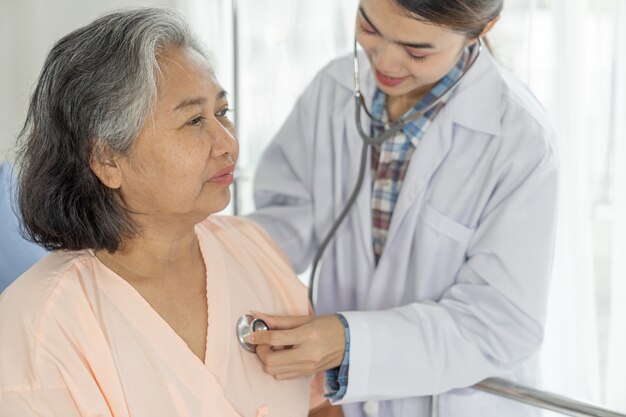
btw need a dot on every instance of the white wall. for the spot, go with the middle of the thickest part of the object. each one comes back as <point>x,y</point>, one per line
<point>29,29</point>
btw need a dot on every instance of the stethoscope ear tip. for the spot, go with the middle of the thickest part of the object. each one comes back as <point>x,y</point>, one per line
<point>246,325</point>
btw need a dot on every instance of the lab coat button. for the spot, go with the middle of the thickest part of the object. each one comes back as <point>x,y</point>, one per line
<point>371,408</point>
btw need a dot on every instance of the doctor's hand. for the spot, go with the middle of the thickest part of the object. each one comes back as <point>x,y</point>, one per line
<point>299,345</point>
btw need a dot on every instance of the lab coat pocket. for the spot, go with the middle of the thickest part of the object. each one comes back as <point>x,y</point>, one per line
<point>445,225</point>
<point>438,250</point>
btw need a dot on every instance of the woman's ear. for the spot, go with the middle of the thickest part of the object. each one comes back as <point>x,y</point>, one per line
<point>105,164</point>
<point>486,30</point>
<point>489,26</point>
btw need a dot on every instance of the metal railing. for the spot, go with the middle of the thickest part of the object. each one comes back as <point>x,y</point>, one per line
<point>543,399</point>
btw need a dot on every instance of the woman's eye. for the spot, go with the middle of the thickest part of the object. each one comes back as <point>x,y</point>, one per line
<point>414,56</point>
<point>223,112</point>
<point>417,58</point>
<point>367,30</point>
<point>196,121</point>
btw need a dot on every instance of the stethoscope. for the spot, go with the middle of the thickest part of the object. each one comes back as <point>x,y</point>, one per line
<point>248,324</point>
<point>245,326</point>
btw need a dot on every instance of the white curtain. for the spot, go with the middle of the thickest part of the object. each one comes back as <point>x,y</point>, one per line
<point>572,54</point>
<point>571,361</point>
<point>213,22</point>
<point>283,43</point>
<point>616,354</point>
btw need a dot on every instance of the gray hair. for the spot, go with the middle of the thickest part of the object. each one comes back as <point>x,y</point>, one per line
<point>95,91</point>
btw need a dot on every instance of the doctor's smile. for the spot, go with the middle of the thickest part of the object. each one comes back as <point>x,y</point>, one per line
<point>389,81</point>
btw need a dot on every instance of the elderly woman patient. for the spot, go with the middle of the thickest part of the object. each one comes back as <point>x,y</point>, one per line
<point>127,149</point>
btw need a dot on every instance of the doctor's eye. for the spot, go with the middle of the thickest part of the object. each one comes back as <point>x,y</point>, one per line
<point>416,57</point>
<point>367,30</point>
<point>196,121</point>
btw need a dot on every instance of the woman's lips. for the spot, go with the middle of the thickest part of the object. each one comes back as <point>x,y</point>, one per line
<point>224,176</point>
<point>389,81</point>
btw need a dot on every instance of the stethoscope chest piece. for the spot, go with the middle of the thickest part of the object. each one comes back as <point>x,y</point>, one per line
<point>247,325</point>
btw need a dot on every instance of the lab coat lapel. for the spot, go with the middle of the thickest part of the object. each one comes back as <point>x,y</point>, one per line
<point>425,160</point>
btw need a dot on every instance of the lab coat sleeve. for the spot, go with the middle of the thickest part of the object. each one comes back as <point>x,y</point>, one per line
<point>488,322</point>
<point>283,182</point>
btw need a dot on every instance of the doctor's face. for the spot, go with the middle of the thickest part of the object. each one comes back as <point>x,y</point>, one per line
<point>408,56</point>
<point>181,165</point>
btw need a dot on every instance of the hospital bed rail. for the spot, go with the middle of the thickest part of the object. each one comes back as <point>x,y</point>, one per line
<point>538,398</point>
<point>543,399</point>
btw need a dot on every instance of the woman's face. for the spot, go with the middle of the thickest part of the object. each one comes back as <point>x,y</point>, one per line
<point>407,56</point>
<point>181,165</point>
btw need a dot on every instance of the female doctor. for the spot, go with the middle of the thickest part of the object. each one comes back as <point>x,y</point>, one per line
<point>440,270</point>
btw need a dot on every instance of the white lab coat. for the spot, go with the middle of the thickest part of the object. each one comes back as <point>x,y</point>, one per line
<point>460,291</point>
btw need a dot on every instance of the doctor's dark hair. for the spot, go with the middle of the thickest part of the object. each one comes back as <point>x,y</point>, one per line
<point>468,17</point>
<point>95,91</point>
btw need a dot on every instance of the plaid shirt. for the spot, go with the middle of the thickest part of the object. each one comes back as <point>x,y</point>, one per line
<point>389,164</point>
<point>390,160</point>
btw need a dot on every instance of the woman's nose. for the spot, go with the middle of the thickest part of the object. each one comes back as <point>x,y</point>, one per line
<point>224,141</point>
<point>386,58</point>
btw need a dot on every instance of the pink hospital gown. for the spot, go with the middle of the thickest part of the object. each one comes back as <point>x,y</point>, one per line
<point>78,340</point>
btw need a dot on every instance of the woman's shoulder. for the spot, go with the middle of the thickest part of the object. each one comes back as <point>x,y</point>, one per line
<point>336,76</point>
<point>341,70</point>
<point>249,245</point>
<point>525,126</point>
<point>508,110</point>
<point>519,100</point>
<point>32,295</point>
<point>36,302</point>
<point>231,225</point>
<point>244,231</point>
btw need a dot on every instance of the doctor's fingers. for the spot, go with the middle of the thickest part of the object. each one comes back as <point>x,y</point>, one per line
<point>320,333</point>
<point>276,338</point>
<point>289,363</point>
<point>282,322</point>
<point>322,347</point>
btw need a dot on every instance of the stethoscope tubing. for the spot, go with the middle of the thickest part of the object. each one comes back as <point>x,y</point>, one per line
<point>337,223</point>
